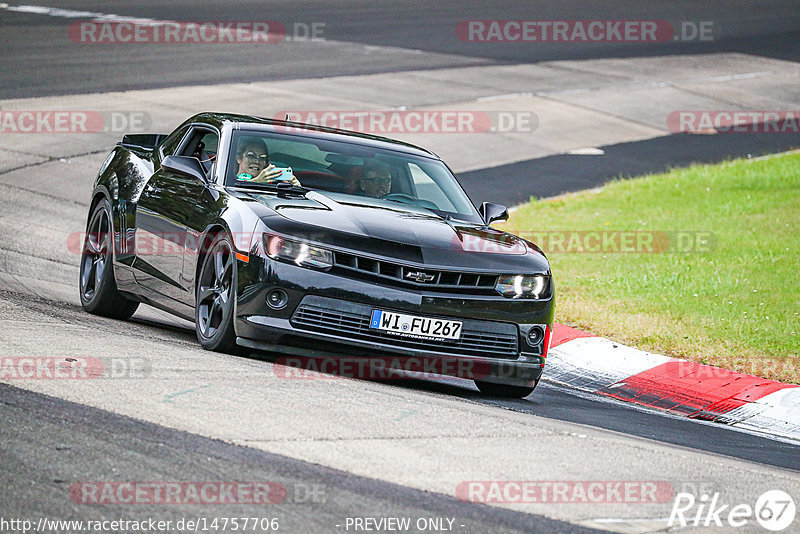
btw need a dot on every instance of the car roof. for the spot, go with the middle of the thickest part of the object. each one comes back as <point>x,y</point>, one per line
<point>313,130</point>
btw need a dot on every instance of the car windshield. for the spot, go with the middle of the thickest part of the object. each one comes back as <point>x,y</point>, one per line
<point>347,172</point>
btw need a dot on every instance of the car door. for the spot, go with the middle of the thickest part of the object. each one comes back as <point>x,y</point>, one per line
<point>167,203</point>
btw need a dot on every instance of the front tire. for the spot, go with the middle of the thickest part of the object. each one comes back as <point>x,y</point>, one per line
<point>98,288</point>
<point>216,293</point>
<point>504,390</point>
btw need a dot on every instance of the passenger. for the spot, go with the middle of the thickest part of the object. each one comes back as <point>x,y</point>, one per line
<point>252,156</point>
<point>377,180</point>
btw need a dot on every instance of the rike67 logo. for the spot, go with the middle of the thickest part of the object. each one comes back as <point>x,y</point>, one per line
<point>774,510</point>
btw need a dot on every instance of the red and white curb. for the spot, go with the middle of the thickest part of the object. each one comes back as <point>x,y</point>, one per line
<point>601,366</point>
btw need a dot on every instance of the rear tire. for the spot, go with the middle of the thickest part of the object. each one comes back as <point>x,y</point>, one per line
<point>215,296</point>
<point>504,390</point>
<point>98,288</point>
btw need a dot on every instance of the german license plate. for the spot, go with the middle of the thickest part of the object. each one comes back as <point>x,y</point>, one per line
<point>413,326</point>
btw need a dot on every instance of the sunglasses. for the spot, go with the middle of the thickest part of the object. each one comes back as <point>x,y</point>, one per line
<point>252,156</point>
<point>385,180</point>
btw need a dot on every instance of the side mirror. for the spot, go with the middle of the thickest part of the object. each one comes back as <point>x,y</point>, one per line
<point>493,212</point>
<point>185,166</point>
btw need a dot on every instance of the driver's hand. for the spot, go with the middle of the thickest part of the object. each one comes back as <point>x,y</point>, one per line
<point>270,174</point>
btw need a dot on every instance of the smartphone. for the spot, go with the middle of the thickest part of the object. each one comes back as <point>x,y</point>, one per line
<point>285,175</point>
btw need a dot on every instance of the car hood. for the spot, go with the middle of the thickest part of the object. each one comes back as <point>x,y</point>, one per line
<point>399,231</point>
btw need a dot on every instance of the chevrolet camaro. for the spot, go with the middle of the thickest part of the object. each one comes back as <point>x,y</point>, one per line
<point>316,243</point>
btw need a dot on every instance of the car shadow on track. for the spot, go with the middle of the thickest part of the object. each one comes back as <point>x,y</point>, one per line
<point>183,332</point>
<point>298,367</point>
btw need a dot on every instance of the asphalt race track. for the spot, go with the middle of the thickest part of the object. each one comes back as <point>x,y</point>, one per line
<point>356,448</point>
<point>412,35</point>
<point>75,442</point>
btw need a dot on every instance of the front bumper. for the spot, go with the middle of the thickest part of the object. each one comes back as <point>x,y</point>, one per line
<point>327,316</point>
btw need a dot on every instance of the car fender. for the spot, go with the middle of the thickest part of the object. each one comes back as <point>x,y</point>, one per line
<point>242,223</point>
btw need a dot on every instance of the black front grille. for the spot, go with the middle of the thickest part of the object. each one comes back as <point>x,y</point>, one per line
<point>407,275</point>
<point>478,338</point>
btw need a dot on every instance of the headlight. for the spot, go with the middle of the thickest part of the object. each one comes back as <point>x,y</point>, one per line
<point>303,254</point>
<point>522,286</point>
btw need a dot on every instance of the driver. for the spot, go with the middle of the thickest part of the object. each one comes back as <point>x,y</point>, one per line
<point>377,180</point>
<point>252,156</point>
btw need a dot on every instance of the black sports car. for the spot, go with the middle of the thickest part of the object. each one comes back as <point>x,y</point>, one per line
<point>316,242</point>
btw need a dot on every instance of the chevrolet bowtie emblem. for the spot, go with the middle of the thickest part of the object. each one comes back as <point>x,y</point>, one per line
<point>420,276</point>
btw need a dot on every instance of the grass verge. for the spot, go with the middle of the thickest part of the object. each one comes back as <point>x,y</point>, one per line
<point>710,270</point>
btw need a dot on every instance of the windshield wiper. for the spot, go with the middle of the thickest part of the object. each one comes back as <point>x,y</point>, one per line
<point>439,213</point>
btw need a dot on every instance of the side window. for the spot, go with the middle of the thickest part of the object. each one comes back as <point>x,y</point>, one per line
<point>171,143</point>
<point>202,144</point>
<point>209,143</point>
